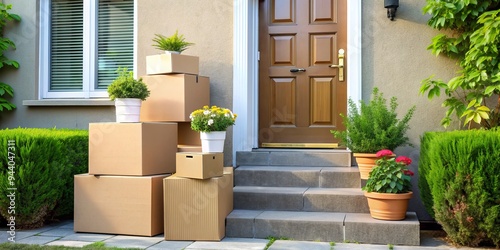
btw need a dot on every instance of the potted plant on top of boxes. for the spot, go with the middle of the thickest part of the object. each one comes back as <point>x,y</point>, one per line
<point>212,123</point>
<point>173,44</point>
<point>388,188</point>
<point>128,94</point>
<point>372,127</point>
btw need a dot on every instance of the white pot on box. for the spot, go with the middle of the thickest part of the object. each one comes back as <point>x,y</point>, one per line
<point>128,109</point>
<point>212,142</point>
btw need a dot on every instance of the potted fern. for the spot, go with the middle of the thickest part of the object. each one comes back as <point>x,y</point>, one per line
<point>128,94</point>
<point>173,44</point>
<point>372,127</point>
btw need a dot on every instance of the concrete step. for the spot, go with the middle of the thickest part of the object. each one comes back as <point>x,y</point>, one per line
<point>297,157</point>
<point>300,199</point>
<point>297,176</point>
<point>323,226</point>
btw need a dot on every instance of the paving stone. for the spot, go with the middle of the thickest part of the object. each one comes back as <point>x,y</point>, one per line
<point>354,246</point>
<point>277,176</point>
<point>252,158</point>
<point>38,240</point>
<point>268,198</point>
<point>345,200</point>
<point>68,224</point>
<point>133,241</point>
<point>171,245</point>
<point>240,223</point>
<point>313,158</point>
<point>87,237</point>
<point>309,226</point>
<point>69,243</point>
<point>299,245</point>
<point>230,244</point>
<point>335,177</point>
<point>61,232</point>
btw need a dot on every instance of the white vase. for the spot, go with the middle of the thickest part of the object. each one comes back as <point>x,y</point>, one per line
<point>212,142</point>
<point>127,109</point>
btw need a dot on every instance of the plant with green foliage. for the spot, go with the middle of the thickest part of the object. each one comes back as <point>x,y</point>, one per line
<point>472,38</point>
<point>390,175</point>
<point>208,119</point>
<point>41,166</point>
<point>462,173</point>
<point>175,42</point>
<point>374,125</point>
<point>6,44</point>
<point>126,86</point>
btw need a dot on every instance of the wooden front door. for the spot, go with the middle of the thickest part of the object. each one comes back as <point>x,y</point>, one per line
<point>300,95</point>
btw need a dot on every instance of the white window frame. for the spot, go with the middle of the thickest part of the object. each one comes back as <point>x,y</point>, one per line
<point>89,53</point>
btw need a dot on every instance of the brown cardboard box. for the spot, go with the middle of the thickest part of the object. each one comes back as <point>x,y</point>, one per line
<point>198,165</point>
<point>174,97</point>
<point>172,63</point>
<point>131,205</point>
<point>197,209</point>
<point>186,135</point>
<point>188,148</point>
<point>132,148</point>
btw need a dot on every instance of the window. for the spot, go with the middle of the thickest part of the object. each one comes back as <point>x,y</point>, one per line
<point>82,44</point>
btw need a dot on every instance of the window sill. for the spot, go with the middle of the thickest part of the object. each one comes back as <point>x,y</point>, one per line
<point>68,102</point>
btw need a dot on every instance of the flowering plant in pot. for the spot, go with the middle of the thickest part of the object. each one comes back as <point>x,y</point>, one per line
<point>388,187</point>
<point>128,94</point>
<point>371,127</point>
<point>212,123</point>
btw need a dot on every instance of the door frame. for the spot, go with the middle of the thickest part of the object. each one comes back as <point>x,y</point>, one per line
<point>246,75</point>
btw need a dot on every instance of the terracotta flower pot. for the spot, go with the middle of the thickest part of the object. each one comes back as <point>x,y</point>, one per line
<point>365,163</point>
<point>388,206</point>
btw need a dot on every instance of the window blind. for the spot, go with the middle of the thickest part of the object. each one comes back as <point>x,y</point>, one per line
<point>115,39</point>
<point>66,47</point>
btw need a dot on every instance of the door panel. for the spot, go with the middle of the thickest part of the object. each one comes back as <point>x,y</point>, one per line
<point>300,96</point>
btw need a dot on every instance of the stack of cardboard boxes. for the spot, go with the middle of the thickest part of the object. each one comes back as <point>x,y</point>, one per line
<point>127,190</point>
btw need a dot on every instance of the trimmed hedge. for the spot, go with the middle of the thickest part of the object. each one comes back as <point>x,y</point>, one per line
<point>460,184</point>
<point>45,162</point>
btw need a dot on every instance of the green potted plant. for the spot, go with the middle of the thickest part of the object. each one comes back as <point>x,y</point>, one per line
<point>388,188</point>
<point>372,127</point>
<point>128,94</point>
<point>212,123</point>
<point>173,44</point>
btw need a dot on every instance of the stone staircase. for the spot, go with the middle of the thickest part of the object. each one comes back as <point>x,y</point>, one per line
<point>312,195</point>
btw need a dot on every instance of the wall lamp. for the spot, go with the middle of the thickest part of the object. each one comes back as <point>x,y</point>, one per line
<point>391,6</point>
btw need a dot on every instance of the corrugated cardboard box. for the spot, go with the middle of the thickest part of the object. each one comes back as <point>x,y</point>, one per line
<point>188,136</point>
<point>199,165</point>
<point>130,205</point>
<point>174,97</point>
<point>197,209</point>
<point>172,63</point>
<point>132,148</point>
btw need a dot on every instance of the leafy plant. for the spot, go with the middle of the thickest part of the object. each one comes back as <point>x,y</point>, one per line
<point>390,175</point>
<point>462,175</point>
<point>126,86</point>
<point>472,38</point>
<point>5,45</point>
<point>374,125</point>
<point>175,42</point>
<point>213,118</point>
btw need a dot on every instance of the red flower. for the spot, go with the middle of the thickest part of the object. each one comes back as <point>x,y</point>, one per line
<point>384,153</point>
<point>408,172</point>
<point>405,160</point>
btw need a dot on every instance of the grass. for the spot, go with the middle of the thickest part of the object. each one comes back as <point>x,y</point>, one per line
<point>272,239</point>
<point>16,246</point>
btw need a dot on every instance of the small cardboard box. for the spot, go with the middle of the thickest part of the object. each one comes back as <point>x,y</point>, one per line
<point>172,63</point>
<point>199,165</point>
<point>197,209</point>
<point>188,148</point>
<point>130,205</point>
<point>132,148</point>
<point>174,97</point>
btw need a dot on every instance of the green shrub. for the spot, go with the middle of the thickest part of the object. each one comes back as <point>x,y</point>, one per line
<point>45,161</point>
<point>462,173</point>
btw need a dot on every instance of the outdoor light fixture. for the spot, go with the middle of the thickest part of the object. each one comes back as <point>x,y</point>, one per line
<point>391,6</point>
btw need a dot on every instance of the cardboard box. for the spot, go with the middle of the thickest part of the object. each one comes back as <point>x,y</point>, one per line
<point>197,209</point>
<point>188,148</point>
<point>172,63</point>
<point>186,135</point>
<point>130,205</point>
<point>132,148</point>
<point>199,165</point>
<point>174,97</point>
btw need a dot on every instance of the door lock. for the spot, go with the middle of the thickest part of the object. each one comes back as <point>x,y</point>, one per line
<point>297,70</point>
<point>340,66</point>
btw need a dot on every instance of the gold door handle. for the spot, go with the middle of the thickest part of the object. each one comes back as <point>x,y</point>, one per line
<point>340,66</point>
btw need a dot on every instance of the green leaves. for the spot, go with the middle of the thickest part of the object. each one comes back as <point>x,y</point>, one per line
<point>5,45</point>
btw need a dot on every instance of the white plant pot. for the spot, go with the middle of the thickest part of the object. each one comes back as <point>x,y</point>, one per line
<point>172,52</point>
<point>212,142</point>
<point>128,109</point>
